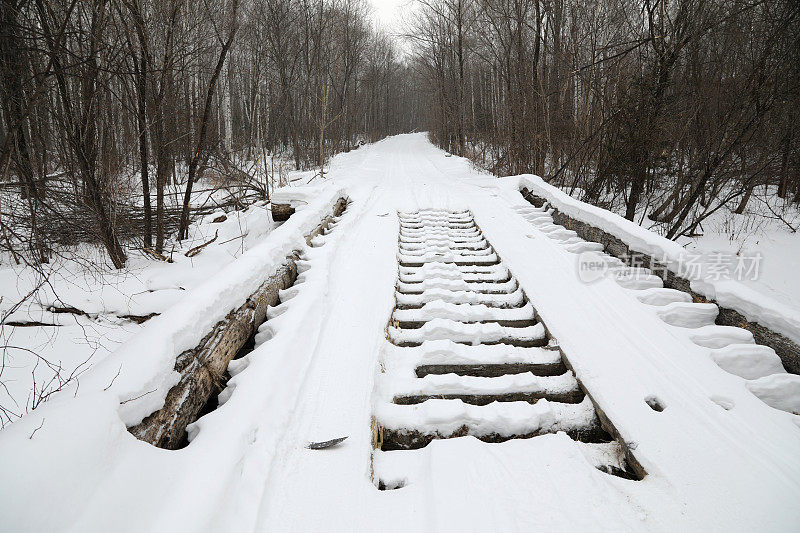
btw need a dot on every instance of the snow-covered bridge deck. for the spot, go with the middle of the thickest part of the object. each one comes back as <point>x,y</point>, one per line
<point>716,456</point>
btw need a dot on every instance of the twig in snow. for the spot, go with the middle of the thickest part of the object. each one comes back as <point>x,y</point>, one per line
<point>242,236</point>
<point>197,249</point>
<point>114,378</point>
<point>37,429</point>
<point>137,397</point>
<point>325,444</point>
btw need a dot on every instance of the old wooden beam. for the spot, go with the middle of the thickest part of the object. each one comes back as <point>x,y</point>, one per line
<point>203,368</point>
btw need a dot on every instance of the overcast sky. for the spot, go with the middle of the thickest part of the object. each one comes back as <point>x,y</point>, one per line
<point>387,12</point>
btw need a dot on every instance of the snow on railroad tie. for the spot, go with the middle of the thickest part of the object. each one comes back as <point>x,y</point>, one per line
<point>483,360</point>
<point>490,287</point>
<point>436,244</point>
<point>415,318</point>
<point>493,299</point>
<point>469,333</point>
<point>433,239</point>
<point>494,273</point>
<point>467,356</point>
<point>478,390</point>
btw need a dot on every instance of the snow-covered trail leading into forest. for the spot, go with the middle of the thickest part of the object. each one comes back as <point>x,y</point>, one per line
<point>543,483</point>
<point>326,365</point>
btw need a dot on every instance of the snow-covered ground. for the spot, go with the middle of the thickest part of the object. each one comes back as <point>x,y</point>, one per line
<point>766,232</point>
<point>46,356</point>
<point>758,233</point>
<point>734,281</point>
<point>717,457</point>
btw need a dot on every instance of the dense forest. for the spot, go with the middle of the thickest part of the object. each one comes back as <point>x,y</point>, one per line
<point>108,105</point>
<point>672,108</point>
<point>112,110</point>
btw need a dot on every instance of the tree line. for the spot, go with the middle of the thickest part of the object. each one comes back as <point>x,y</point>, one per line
<point>108,106</point>
<point>671,108</point>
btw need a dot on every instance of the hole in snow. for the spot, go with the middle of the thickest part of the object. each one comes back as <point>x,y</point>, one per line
<point>391,485</point>
<point>619,472</point>
<point>654,403</point>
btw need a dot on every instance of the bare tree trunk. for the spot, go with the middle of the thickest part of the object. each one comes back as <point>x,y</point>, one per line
<point>199,149</point>
<point>80,127</point>
<point>141,73</point>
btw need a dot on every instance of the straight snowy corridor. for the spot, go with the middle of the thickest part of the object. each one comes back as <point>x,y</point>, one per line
<point>547,482</point>
<point>330,359</point>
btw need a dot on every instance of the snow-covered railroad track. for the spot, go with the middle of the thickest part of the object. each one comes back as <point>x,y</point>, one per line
<point>468,365</point>
<point>715,456</point>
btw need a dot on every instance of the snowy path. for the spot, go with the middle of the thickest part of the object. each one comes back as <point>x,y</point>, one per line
<point>546,482</point>
<point>717,458</point>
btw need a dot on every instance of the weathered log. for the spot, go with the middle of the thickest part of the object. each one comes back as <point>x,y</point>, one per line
<point>281,212</point>
<point>203,368</point>
<point>338,209</point>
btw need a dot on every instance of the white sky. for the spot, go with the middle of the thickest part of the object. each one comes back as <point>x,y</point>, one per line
<point>387,12</point>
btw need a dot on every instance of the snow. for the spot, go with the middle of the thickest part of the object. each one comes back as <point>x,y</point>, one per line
<point>713,336</point>
<point>756,306</point>
<point>149,357</point>
<point>661,296</point>
<point>445,417</point>
<point>450,271</point>
<point>749,362</point>
<point>438,352</point>
<point>733,348</point>
<point>717,458</point>
<point>453,284</point>
<point>297,197</point>
<point>439,384</point>
<point>688,314</point>
<point>463,312</point>
<point>106,298</point>
<point>442,328</point>
<point>781,391</point>
<point>455,296</point>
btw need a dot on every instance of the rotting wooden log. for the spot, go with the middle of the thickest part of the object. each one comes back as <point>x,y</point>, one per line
<point>338,209</point>
<point>281,212</point>
<point>787,349</point>
<point>202,368</point>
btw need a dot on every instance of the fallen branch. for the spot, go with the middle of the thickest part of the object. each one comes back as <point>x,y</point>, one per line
<point>242,236</point>
<point>779,217</point>
<point>114,378</point>
<point>157,255</point>
<point>37,429</point>
<point>197,249</point>
<point>67,310</point>
<point>137,397</point>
